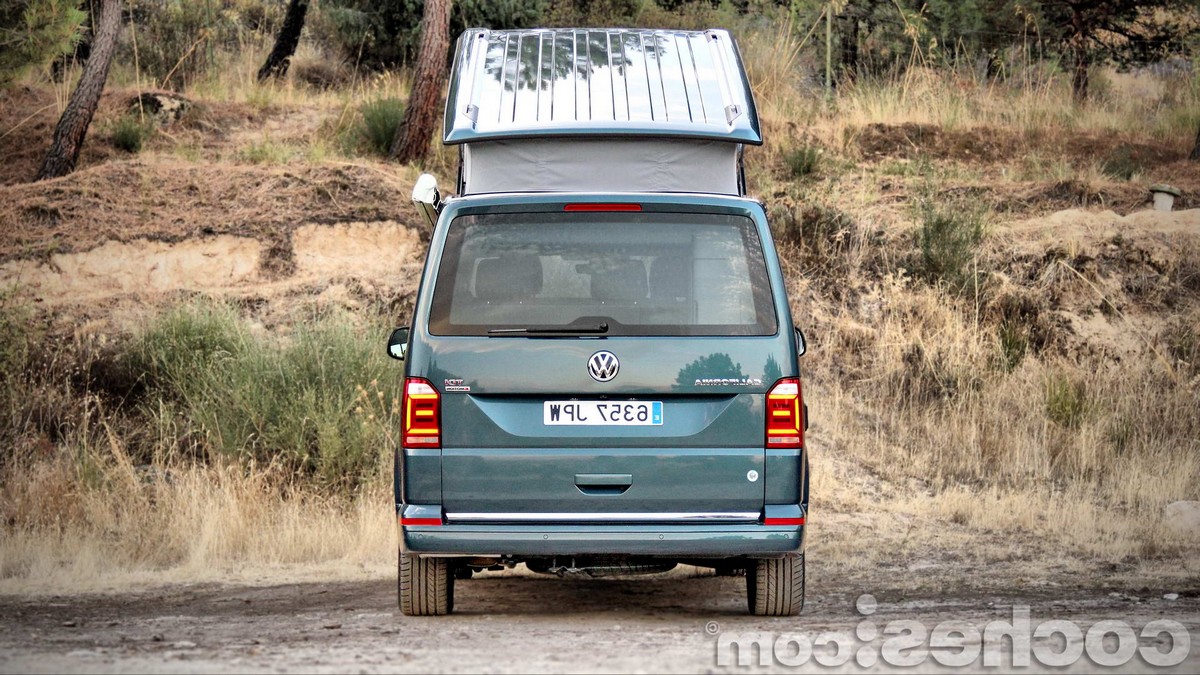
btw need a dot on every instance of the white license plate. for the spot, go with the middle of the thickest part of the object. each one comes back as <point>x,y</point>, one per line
<point>603,413</point>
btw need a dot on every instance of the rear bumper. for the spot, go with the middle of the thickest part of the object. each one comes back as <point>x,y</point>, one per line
<point>526,540</point>
<point>423,530</point>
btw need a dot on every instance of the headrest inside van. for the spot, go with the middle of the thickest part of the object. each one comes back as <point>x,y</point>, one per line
<point>621,282</point>
<point>509,278</point>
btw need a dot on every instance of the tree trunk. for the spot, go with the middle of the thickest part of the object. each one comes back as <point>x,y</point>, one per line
<point>81,107</point>
<point>1079,52</point>
<point>1195,156</point>
<point>849,31</point>
<point>421,114</point>
<point>285,44</point>
<point>1079,80</point>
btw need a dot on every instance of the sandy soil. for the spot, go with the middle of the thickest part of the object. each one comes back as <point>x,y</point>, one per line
<point>505,622</point>
<point>384,251</point>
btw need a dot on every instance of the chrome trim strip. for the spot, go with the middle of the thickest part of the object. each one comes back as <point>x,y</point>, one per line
<point>744,516</point>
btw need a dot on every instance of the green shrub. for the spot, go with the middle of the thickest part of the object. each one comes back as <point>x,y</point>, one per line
<point>802,161</point>
<point>260,16</point>
<point>130,134</point>
<point>1121,433</point>
<point>1066,400</point>
<point>1014,344</point>
<point>931,375</point>
<point>380,119</point>
<point>34,32</point>
<point>1121,164</point>
<point>570,13</point>
<point>826,232</point>
<point>14,335</point>
<point>949,236</point>
<point>177,42</point>
<point>267,151</point>
<point>319,402</point>
<point>22,397</point>
<point>321,74</point>
<point>1183,345</point>
<point>826,238</point>
<point>920,166</point>
<point>187,340</point>
<point>385,33</point>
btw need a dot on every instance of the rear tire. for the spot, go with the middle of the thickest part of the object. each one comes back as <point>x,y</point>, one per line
<point>426,586</point>
<point>776,587</point>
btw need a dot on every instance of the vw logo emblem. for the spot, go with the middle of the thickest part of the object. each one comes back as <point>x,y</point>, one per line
<point>603,366</point>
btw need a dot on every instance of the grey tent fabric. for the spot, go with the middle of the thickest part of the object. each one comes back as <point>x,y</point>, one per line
<point>613,165</point>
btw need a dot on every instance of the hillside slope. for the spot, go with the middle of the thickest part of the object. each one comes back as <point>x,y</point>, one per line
<point>1035,410</point>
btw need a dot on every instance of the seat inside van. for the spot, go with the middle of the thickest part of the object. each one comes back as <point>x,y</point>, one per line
<point>620,282</point>
<point>509,278</point>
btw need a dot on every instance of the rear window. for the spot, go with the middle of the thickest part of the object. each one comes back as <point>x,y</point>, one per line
<point>633,273</point>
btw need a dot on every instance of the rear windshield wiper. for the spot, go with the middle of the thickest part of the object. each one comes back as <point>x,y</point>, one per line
<point>601,327</point>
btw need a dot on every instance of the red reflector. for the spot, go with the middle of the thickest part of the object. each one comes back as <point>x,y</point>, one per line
<point>602,207</point>
<point>422,414</point>
<point>783,521</point>
<point>419,521</point>
<point>785,423</point>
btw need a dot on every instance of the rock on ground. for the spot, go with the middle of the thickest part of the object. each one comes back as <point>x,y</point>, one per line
<point>1183,518</point>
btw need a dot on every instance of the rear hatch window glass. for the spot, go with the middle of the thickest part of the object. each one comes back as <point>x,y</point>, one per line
<point>611,273</point>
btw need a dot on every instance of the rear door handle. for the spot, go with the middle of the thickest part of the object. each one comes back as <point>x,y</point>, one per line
<point>603,483</point>
<point>604,479</point>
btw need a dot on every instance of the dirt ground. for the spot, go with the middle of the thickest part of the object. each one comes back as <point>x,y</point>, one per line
<point>518,622</point>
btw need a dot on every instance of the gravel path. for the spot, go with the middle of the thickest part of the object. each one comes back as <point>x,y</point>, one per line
<point>509,622</point>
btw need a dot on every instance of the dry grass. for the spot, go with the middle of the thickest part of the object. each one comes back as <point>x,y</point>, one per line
<point>200,446</point>
<point>1026,123</point>
<point>125,526</point>
<point>914,387</point>
<point>979,408</point>
<point>986,418</point>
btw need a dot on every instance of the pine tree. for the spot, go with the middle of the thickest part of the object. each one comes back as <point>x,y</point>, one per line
<point>34,32</point>
<point>424,104</point>
<point>81,107</point>
<point>280,57</point>
<point>1129,31</point>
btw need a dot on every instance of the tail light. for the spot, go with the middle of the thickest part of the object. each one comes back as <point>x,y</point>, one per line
<point>784,521</point>
<point>422,414</point>
<point>785,422</point>
<point>422,522</point>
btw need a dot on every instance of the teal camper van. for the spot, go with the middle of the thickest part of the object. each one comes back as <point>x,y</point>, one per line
<point>601,374</point>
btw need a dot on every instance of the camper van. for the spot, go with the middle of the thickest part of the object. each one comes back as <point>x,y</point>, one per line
<point>601,374</point>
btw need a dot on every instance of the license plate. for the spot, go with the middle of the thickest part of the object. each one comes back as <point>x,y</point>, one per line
<point>603,413</point>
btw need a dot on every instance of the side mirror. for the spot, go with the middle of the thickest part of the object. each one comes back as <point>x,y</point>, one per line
<point>398,343</point>
<point>427,198</point>
<point>801,345</point>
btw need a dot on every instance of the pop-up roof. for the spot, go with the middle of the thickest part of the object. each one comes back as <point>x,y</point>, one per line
<point>590,83</point>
